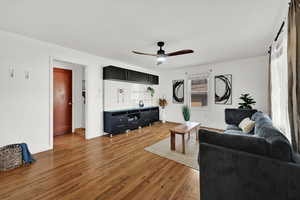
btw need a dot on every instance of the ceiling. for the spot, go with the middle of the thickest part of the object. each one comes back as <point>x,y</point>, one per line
<point>216,30</point>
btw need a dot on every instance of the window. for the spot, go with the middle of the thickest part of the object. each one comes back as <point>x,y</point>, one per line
<point>199,91</point>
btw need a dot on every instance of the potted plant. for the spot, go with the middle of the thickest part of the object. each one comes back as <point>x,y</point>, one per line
<point>151,90</point>
<point>247,103</point>
<point>186,113</point>
<point>163,103</point>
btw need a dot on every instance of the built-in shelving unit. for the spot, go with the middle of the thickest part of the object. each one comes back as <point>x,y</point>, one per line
<point>120,121</point>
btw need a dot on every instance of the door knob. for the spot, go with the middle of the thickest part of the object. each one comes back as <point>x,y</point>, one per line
<point>70,103</point>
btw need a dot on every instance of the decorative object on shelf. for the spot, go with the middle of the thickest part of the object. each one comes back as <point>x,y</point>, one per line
<point>120,94</point>
<point>223,89</point>
<point>186,113</point>
<point>178,91</point>
<point>247,103</point>
<point>151,90</point>
<point>163,103</point>
<point>141,104</point>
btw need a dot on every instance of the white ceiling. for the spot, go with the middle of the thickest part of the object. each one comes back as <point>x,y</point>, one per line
<point>216,30</point>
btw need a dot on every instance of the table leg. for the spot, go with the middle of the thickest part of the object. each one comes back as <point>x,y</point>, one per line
<point>197,134</point>
<point>173,142</point>
<point>183,144</point>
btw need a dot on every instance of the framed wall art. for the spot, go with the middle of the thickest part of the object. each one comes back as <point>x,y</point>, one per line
<point>178,91</point>
<point>223,89</point>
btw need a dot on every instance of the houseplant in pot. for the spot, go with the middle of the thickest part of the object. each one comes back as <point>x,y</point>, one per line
<point>151,91</point>
<point>247,103</point>
<point>163,103</point>
<point>186,113</point>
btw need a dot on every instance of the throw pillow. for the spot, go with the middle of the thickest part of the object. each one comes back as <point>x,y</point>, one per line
<point>247,125</point>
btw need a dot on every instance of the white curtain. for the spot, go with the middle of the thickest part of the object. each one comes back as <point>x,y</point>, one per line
<point>279,82</point>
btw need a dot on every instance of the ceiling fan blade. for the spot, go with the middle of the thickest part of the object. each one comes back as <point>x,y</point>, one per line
<point>181,52</point>
<point>145,54</point>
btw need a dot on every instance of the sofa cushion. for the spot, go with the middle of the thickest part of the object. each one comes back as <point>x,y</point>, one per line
<point>233,127</point>
<point>247,125</point>
<point>261,120</point>
<point>235,116</point>
<point>280,147</point>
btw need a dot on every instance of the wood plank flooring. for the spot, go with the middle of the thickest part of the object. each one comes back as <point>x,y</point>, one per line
<point>103,168</point>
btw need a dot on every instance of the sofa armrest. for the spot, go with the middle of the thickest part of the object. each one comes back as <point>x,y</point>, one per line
<point>246,143</point>
<point>234,175</point>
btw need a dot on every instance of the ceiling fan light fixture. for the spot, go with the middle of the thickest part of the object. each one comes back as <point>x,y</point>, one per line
<point>161,58</point>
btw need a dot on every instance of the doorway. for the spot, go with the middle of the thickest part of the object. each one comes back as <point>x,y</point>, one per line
<point>62,101</point>
<point>68,110</point>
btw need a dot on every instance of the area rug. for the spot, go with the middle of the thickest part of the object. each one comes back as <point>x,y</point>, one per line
<point>190,158</point>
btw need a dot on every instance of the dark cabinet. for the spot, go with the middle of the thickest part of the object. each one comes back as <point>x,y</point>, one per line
<point>153,79</point>
<point>114,73</point>
<point>137,77</point>
<point>121,74</point>
<point>120,121</point>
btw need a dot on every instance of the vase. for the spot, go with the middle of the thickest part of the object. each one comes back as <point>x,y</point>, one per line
<point>163,115</point>
<point>187,122</point>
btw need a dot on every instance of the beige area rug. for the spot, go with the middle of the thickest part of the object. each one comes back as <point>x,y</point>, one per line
<point>190,158</point>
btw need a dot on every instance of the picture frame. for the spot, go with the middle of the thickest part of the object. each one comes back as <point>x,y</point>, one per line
<point>223,89</point>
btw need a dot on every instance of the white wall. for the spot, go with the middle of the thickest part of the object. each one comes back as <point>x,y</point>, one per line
<point>248,76</point>
<point>25,104</point>
<point>131,96</point>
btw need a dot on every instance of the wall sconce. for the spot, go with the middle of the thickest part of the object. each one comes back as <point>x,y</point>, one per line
<point>12,73</point>
<point>27,75</point>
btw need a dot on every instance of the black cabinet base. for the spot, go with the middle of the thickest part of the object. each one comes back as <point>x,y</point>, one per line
<point>116,122</point>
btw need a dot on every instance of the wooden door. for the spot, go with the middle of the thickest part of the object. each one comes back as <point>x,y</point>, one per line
<point>62,100</point>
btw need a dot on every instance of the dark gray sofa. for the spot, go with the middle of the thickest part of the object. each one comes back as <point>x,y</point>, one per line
<point>256,166</point>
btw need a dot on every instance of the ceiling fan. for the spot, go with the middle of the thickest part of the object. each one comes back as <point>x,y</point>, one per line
<point>161,55</point>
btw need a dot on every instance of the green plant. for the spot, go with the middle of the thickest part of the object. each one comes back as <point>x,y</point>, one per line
<point>186,112</point>
<point>247,103</point>
<point>151,90</point>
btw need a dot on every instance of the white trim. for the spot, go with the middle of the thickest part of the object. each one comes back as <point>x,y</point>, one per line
<point>51,102</point>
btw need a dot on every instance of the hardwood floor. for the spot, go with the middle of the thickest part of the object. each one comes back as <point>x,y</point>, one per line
<point>103,168</point>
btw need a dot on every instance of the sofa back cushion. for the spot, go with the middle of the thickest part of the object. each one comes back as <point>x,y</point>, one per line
<point>235,116</point>
<point>280,148</point>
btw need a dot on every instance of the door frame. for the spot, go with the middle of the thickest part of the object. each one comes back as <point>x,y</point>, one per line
<point>51,66</point>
